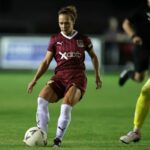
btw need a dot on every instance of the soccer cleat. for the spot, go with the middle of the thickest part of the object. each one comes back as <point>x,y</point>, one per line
<point>57,143</point>
<point>123,77</point>
<point>130,137</point>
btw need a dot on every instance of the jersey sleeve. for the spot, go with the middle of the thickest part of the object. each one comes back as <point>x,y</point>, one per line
<point>51,45</point>
<point>88,43</point>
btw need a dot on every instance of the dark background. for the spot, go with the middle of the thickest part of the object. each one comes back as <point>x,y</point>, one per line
<point>40,16</point>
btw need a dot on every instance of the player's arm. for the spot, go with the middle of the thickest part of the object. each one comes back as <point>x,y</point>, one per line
<point>129,29</point>
<point>95,63</point>
<point>41,70</point>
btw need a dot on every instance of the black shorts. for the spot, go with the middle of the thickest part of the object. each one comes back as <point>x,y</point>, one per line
<point>141,56</point>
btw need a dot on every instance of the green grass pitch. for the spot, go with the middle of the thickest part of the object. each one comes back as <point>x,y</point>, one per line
<point>98,120</point>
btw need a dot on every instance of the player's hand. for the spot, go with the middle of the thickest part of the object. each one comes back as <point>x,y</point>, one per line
<point>30,86</point>
<point>98,82</point>
<point>137,40</point>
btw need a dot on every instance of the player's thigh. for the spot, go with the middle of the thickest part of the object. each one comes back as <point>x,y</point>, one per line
<point>48,93</point>
<point>146,88</point>
<point>141,59</point>
<point>72,96</point>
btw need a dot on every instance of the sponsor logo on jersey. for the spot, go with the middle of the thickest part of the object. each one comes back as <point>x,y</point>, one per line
<point>66,55</point>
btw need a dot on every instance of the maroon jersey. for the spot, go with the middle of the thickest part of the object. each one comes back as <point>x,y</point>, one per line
<point>69,52</point>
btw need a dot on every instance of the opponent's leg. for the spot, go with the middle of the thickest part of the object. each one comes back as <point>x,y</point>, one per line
<point>130,74</point>
<point>141,111</point>
<point>142,106</point>
<point>71,98</point>
<point>125,75</point>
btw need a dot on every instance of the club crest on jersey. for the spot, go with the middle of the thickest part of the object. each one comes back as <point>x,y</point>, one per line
<point>80,43</point>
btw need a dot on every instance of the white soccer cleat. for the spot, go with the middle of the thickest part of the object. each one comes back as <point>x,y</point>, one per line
<point>130,137</point>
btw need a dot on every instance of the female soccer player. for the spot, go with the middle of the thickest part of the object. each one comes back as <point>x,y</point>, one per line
<point>69,82</point>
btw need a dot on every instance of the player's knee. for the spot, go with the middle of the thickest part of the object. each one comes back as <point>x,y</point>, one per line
<point>68,100</point>
<point>146,90</point>
<point>48,93</point>
<point>139,78</point>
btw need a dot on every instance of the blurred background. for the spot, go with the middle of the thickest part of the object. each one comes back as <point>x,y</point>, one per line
<point>26,26</point>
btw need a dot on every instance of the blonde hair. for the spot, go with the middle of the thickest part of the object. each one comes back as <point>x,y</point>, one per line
<point>69,10</point>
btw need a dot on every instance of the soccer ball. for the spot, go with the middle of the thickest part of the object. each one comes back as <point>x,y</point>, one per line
<point>35,137</point>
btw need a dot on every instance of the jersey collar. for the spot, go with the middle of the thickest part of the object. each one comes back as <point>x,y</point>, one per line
<point>69,37</point>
